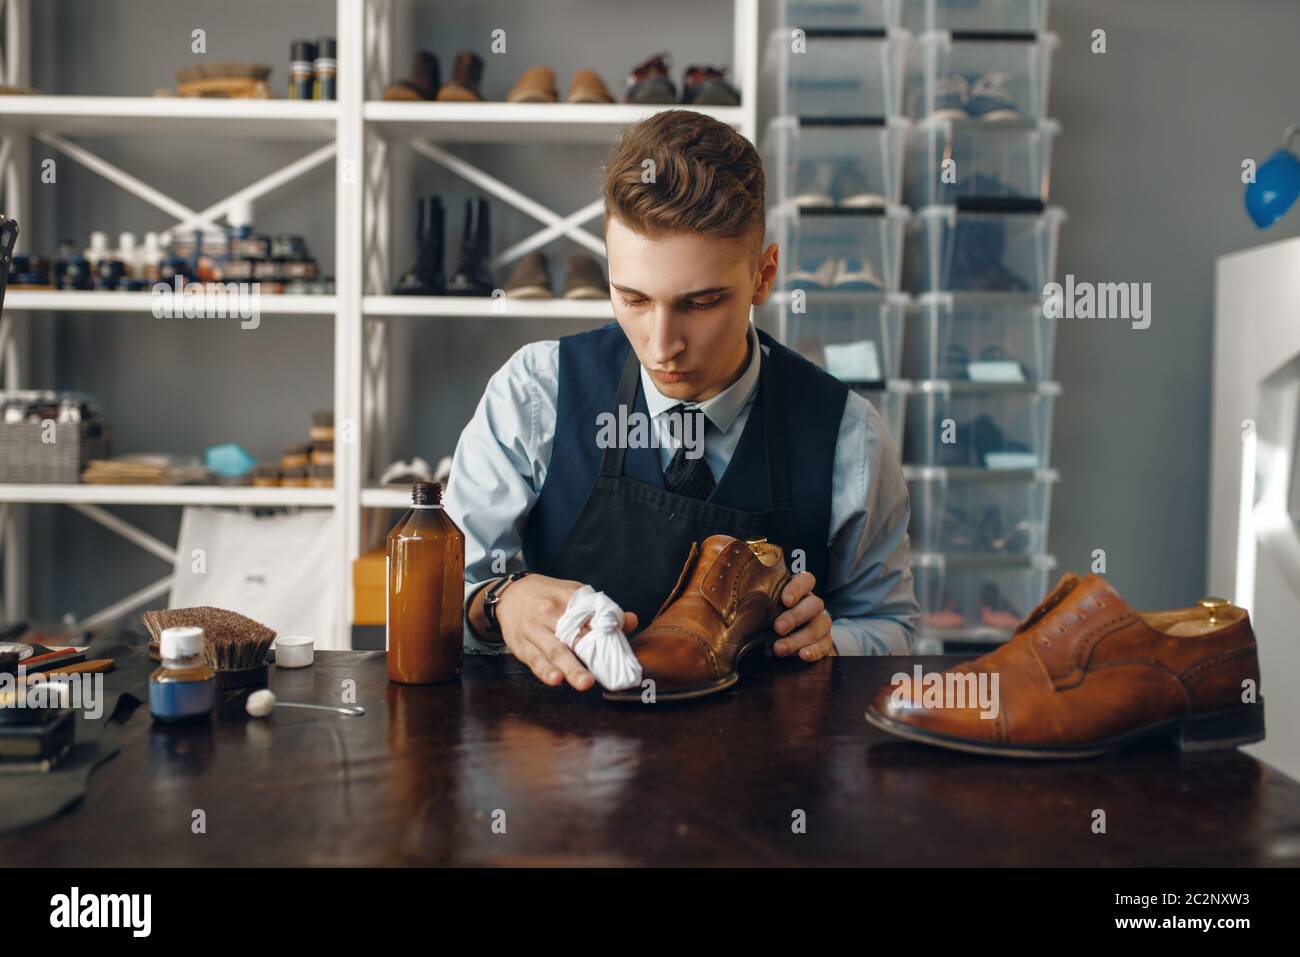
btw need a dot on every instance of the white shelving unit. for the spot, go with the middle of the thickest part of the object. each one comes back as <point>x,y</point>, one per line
<point>352,132</point>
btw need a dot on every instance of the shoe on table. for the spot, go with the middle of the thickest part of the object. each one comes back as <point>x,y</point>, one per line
<point>587,87</point>
<point>531,278</point>
<point>649,82</point>
<point>466,79</point>
<point>585,279</point>
<point>423,83</point>
<point>1085,674</point>
<point>722,608</point>
<point>535,85</point>
<point>708,86</point>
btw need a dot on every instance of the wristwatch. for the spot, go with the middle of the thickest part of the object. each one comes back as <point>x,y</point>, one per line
<point>493,598</point>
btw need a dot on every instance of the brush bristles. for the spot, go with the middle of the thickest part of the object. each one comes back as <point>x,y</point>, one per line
<point>232,641</point>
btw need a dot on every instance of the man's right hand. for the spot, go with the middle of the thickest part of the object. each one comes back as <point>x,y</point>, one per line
<point>527,613</point>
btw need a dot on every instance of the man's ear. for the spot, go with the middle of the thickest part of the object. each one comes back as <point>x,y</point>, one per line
<point>767,262</point>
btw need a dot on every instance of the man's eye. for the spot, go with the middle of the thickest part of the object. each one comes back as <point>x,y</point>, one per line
<point>627,301</point>
<point>704,303</point>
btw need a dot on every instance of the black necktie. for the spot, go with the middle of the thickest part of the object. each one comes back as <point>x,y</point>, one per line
<point>689,476</point>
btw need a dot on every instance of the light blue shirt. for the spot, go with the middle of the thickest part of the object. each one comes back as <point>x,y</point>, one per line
<point>501,461</point>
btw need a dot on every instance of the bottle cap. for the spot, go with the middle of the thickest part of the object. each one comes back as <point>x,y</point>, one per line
<point>126,241</point>
<point>182,642</point>
<point>302,50</point>
<point>426,493</point>
<point>325,47</point>
<point>98,240</point>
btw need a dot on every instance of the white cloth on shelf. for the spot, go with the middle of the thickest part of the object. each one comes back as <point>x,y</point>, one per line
<point>604,649</point>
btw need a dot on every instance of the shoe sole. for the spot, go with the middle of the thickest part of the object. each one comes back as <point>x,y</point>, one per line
<point>530,292</point>
<point>1207,732</point>
<point>587,292</point>
<point>694,692</point>
<point>532,96</point>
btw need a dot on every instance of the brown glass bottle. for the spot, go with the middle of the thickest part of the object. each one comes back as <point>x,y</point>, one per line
<point>426,591</point>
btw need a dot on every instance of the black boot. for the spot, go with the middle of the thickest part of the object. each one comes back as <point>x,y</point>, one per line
<point>472,276</point>
<point>426,278</point>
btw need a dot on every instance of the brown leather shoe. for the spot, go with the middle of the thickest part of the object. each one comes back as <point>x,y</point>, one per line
<point>721,608</point>
<point>1085,674</point>
<point>587,87</point>
<point>535,85</point>
<point>466,78</point>
<point>423,83</point>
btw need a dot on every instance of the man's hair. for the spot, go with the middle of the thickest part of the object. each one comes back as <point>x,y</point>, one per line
<point>702,177</point>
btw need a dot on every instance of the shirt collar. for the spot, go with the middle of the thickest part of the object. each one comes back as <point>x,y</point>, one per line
<point>723,408</point>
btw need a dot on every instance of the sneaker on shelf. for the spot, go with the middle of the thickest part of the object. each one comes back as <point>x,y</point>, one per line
<point>466,78</point>
<point>530,279</point>
<point>650,83</point>
<point>811,185</point>
<point>850,188</point>
<point>812,277</point>
<point>535,85</point>
<point>708,86</point>
<point>952,97</point>
<point>856,274</point>
<point>585,279</point>
<point>587,87</point>
<point>423,83</point>
<point>990,99</point>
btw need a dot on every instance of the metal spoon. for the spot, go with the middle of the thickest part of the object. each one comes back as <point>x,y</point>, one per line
<point>260,703</point>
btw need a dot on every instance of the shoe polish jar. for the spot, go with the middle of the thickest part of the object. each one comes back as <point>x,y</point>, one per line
<point>425,592</point>
<point>183,690</point>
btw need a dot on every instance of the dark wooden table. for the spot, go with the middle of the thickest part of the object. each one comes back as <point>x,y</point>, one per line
<point>425,774</point>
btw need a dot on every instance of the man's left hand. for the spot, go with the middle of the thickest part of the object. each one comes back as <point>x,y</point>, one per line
<point>804,626</point>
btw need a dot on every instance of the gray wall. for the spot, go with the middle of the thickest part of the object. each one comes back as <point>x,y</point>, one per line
<point>1148,167</point>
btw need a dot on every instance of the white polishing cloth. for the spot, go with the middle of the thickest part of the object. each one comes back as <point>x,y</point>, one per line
<point>604,648</point>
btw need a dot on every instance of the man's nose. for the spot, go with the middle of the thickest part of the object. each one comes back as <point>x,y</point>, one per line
<point>665,334</point>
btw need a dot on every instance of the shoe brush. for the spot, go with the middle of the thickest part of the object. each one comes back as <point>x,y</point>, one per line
<point>234,646</point>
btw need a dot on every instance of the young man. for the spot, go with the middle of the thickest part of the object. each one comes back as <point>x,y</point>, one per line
<point>535,470</point>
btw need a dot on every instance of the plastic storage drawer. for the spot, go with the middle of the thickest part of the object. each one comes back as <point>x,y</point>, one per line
<point>841,14</point>
<point>836,72</point>
<point>827,162</point>
<point>983,247</point>
<point>975,15</point>
<point>951,159</point>
<point>978,511</point>
<point>980,337</point>
<point>856,337</point>
<point>891,402</point>
<point>976,599</point>
<point>843,248</point>
<point>967,424</point>
<point>996,76</point>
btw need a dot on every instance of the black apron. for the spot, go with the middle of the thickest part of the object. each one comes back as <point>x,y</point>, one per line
<point>631,539</point>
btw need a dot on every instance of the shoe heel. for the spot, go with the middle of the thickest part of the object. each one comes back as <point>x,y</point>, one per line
<point>1227,729</point>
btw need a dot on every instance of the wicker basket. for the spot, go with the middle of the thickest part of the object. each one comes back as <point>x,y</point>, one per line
<point>26,457</point>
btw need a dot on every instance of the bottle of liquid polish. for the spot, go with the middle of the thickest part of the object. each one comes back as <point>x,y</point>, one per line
<point>425,592</point>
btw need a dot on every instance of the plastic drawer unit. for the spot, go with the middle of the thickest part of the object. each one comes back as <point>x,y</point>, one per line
<point>979,511</point>
<point>980,76</point>
<point>979,337</point>
<point>976,16</point>
<point>983,246</point>
<point>823,161</point>
<point>843,73</point>
<point>855,336</point>
<point>974,425</point>
<point>840,248</point>
<point>975,598</point>
<point>948,160</point>
<point>841,14</point>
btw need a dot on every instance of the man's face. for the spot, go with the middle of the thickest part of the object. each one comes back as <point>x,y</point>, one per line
<point>683,301</point>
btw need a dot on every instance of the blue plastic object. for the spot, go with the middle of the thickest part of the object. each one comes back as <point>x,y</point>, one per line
<point>1276,186</point>
<point>229,460</point>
